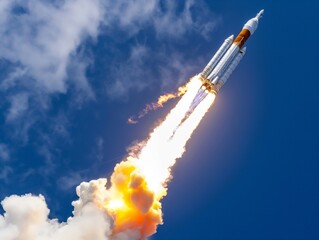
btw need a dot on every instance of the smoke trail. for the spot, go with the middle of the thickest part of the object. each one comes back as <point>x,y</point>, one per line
<point>130,209</point>
<point>159,104</point>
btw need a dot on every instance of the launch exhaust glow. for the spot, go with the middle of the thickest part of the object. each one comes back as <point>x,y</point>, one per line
<point>140,182</point>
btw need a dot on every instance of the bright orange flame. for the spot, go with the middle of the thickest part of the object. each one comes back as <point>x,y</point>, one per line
<point>140,182</point>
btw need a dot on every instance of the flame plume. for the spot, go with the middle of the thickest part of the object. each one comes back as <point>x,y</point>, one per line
<point>140,181</point>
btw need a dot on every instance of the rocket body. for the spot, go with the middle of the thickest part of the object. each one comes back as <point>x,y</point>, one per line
<point>222,64</point>
<point>227,58</point>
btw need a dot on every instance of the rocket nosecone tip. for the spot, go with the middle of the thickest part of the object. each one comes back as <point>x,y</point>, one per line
<point>230,38</point>
<point>260,14</point>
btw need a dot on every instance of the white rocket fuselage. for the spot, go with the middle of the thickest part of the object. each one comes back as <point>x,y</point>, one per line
<point>228,56</point>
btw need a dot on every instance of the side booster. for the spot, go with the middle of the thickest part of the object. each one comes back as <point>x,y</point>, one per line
<point>228,56</point>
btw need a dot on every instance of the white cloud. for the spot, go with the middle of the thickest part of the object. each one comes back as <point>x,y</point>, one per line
<point>172,24</point>
<point>44,47</point>
<point>43,41</point>
<point>131,74</point>
<point>18,105</point>
<point>163,15</point>
<point>170,21</point>
<point>4,6</point>
<point>69,181</point>
<point>41,44</point>
<point>43,37</point>
<point>130,16</point>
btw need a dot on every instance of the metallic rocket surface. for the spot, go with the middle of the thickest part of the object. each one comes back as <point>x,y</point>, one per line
<point>222,64</point>
<point>228,56</point>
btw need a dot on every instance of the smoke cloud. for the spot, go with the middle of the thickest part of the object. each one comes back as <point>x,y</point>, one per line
<point>26,217</point>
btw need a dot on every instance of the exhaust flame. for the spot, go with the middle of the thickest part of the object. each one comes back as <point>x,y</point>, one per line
<point>130,208</point>
<point>140,182</point>
<point>159,104</point>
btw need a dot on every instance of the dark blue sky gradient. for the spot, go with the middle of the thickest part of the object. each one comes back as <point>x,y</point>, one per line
<point>251,169</point>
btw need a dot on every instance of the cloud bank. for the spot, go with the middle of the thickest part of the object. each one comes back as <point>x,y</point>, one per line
<point>41,57</point>
<point>42,37</point>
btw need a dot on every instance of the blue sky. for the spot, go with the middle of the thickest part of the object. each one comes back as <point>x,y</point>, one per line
<point>251,168</point>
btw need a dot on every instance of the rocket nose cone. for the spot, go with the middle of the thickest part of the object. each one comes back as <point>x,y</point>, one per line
<point>230,38</point>
<point>260,14</point>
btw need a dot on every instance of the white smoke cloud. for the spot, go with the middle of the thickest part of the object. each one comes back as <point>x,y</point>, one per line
<point>26,217</point>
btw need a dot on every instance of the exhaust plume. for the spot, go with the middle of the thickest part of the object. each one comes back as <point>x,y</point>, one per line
<point>140,181</point>
<point>130,208</point>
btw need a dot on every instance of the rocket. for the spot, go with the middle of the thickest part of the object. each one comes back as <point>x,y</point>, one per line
<point>222,64</point>
<point>227,58</point>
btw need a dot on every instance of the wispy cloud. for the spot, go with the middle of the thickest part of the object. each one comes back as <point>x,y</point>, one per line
<point>130,74</point>
<point>43,43</point>
<point>45,54</point>
<point>5,172</point>
<point>42,46</point>
<point>71,180</point>
<point>43,37</point>
<point>4,152</point>
<point>5,159</point>
<point>171,22</point>
<point>18,105</point>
